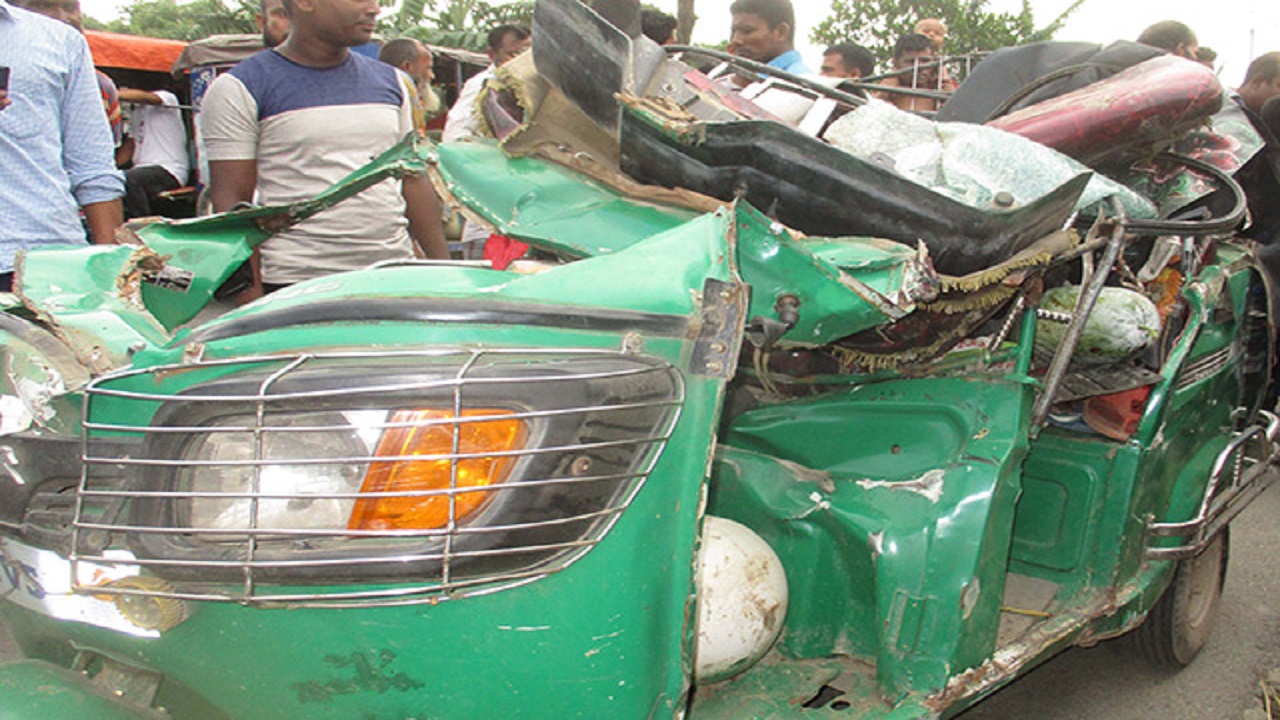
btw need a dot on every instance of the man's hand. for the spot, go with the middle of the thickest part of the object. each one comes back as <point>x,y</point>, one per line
<point>4,99</point>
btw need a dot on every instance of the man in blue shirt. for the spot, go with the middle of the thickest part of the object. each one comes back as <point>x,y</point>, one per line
<point>56,151</point>
<point>765,31</point>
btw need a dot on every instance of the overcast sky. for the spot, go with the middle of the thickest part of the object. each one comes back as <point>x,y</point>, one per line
<point>1238,29</point>
<point>1223,25</point>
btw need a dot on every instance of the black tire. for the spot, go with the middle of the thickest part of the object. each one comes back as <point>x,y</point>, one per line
<point>1182,619</point>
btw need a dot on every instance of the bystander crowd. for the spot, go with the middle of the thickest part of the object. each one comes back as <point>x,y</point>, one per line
<point>157,147</point>
<point>56,154</point>
<point>765,31</point>
<point>847,60</point>
<point>293,120</point>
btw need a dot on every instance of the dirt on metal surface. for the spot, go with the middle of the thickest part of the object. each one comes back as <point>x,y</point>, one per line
<point>1222,683</point>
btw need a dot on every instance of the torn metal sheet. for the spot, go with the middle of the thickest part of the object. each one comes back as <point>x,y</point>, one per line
<point>929,486</point>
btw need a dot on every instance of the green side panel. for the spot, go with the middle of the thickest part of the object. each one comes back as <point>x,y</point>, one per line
<point>1062,485</point>
<point>1054,537</point>
<point>608,636</point>
<point>915,483</point>
<point>36,690</point>
<point>551,206</point>
<point>833,303</point>
<point>830,568</point>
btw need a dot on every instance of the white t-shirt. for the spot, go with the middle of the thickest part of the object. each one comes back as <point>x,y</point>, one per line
<point>160,137</point>
<point>308,128</point>
<point>463,122</point>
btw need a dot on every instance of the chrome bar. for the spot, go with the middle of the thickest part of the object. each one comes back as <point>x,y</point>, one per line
<point>342,562</point>
<point>362,391</point>
<point>240,495</point>
<point>364,459</point>
<point>1071,338</point>
<point>105,524</point>
<point>1221,504</point>
<point>284,429</point>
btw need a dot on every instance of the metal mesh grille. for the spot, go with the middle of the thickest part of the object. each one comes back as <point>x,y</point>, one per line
<point>1207,366</point>
<point>256,480</point>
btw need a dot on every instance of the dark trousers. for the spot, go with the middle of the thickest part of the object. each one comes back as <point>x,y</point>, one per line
<point>141,185</point>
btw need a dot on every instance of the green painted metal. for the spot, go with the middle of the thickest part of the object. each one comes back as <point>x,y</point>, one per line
<point>899,505</point>
<point>31,688</point>
<point>897,473</point>
<point>614,625</point>
<point>548,205</point>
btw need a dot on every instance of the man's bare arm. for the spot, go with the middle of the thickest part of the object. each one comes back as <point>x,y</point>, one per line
<point>104,218</point>
<point>422,208</point>
<point>140,97</point>
<point>232,182</point>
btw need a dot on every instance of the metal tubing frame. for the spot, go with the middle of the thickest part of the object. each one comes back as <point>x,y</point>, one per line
<point>1084,307</point>
<point>1219,507</point>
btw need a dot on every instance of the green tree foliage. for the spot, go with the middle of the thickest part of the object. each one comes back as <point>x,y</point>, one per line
<point>183,21</point>
<point>453,23</point>
<point>877,24</point>
<point>456,23</point>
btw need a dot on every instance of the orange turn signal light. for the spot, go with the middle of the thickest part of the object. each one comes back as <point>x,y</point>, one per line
<point>420,433</point>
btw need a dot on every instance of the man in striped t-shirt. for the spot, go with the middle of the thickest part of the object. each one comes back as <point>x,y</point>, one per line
<point>292,120</point>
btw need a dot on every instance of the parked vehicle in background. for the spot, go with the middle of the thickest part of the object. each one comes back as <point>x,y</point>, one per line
<point>861,416</point>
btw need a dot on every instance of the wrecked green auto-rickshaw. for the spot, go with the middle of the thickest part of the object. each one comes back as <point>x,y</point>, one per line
<point>843,413</point>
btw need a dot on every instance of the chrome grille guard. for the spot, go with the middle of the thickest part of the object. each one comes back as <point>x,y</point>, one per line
<point>1239,474</point>
<point>597,422</point>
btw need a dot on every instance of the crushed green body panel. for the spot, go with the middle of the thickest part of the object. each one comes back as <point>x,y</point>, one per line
<point>624,654</point>
<point>550,206</point>
<point>905,507</point>
<point>931,461</point>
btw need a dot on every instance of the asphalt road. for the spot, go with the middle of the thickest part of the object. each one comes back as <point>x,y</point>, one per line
<point>1110,682</point>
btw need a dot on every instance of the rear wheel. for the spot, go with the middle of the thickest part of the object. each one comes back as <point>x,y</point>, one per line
<point>1180,623</point>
